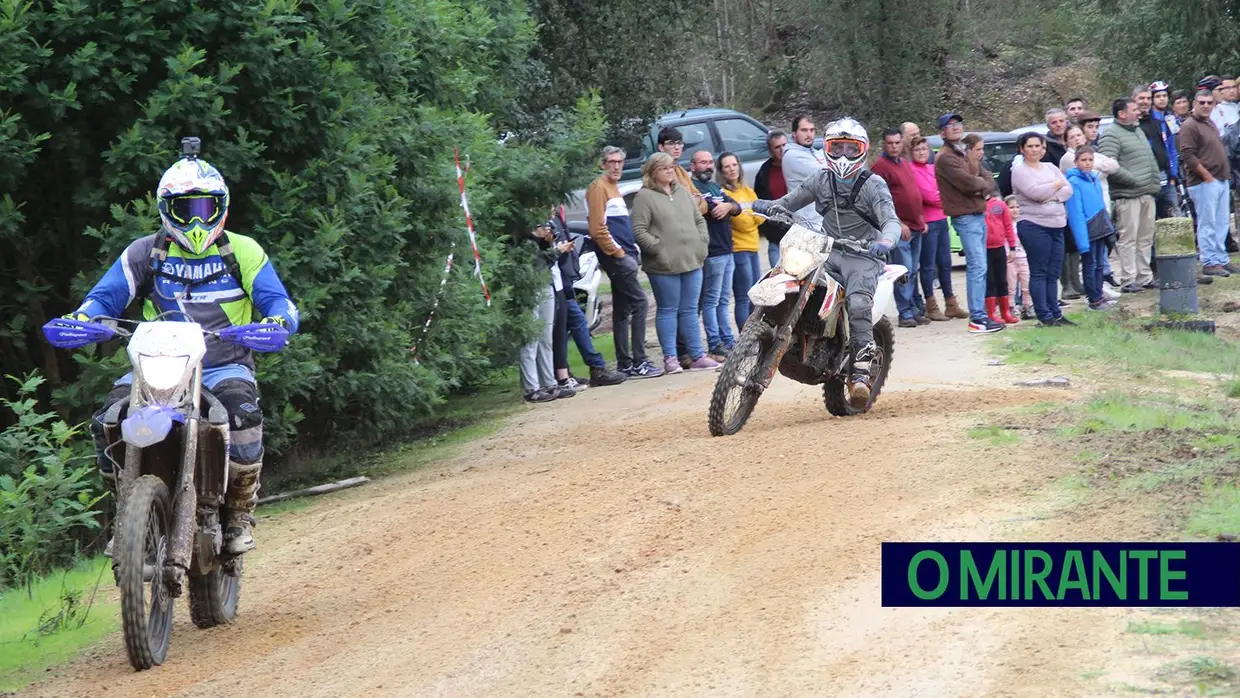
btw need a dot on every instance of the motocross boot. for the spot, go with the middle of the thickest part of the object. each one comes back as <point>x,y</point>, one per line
<point>860,381</point>
<point>240,500</point>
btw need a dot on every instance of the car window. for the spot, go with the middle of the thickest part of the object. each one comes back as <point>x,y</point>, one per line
<point>740,136</point>
<point>996,155</point>
<point>697,137</point>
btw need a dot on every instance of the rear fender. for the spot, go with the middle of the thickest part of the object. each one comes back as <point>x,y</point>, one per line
<point>885,292</point>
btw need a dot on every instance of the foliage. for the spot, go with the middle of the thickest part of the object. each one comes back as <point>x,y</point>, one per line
<point>334,124</point>
<point>47,495</point>
<point>1146,40</point>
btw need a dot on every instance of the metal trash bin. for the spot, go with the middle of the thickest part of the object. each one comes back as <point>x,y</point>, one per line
<point>1177,283</point>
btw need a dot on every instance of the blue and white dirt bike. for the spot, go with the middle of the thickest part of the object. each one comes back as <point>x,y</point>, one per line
<point>173,476</point>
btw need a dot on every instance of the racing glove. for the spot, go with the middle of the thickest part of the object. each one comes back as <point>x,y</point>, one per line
<point>880,247</point>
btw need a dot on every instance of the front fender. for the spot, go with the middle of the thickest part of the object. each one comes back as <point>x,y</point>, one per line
<point>885,293</point>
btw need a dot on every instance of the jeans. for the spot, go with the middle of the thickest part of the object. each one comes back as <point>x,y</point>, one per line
<point>534,361</point>
<point>1211,201</point>
<point>972,232</point>
<point>1091,270</point>
<point>676,313</point>
<point>579,329</point>
<point>716,285</point>
<point>1044,250</point>
<point>936,259</point>
<point>629,307</point>
<point>748,272</point>
<point>1167,203</point>
<point>908,254</point>
<point>772,251</point>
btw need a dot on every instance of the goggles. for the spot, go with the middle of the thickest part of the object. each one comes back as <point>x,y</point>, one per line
<point>205,208</point>
<point>844,148</point>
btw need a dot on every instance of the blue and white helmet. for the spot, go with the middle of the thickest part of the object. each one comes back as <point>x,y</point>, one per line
<point>193,204</point>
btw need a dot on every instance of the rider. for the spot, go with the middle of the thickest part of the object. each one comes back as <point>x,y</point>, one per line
<point>857,210</point>
<point>194,267</point>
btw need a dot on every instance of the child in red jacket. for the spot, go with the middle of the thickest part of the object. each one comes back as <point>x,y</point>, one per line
<point>1000,249</point>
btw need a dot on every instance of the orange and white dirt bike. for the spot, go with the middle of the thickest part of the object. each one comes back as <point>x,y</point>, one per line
<point>799,327</point>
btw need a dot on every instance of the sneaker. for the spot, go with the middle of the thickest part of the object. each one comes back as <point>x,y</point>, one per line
<point>572,383</point>
<point>1132,288</point>
<point>1026,313</point>
<point>1151,285</point>
<point>561,392</point>
<point>600,376</point>
<point>1062,321</point>
<point>1063,303</point>
<point>703,363</point>
<point>672,365</point>
<point>1111,293</point>
<point>921,319</point>
<point>908,322</point>
<point>1110,279</point>
<point>645,369</point>
<point>985,326</point>
<point>719,350</point>
<point>539,396</point>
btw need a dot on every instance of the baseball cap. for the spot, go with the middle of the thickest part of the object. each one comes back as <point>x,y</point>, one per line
<point>947,119</point>
<point>1088,116</point>
<point>1209,82</point>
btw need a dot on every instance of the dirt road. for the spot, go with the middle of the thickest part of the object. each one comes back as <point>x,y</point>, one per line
<point>607,545</point>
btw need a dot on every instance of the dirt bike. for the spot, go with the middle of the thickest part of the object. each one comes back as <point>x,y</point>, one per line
<point>799,327</point>
<point>171,483</point>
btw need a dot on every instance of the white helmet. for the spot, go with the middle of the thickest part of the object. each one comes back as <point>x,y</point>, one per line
<point>846,144</point>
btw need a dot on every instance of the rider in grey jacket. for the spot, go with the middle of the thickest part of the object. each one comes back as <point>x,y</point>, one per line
<point>857,211</point>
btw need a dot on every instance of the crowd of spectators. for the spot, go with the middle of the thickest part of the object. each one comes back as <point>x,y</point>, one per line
<point>1072,198</point>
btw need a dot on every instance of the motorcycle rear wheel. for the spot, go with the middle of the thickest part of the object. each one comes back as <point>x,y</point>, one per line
<point>213,598</point>
<point>139,555</point>
<point>736,392</point>
<point>835,388</point>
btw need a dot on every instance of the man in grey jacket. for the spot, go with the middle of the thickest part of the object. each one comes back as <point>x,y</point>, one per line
<point>1133,188</point>
<point>864,228</point>
<point>801,161</point>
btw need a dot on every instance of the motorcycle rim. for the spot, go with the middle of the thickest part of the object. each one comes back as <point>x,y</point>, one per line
<point>737,390</point>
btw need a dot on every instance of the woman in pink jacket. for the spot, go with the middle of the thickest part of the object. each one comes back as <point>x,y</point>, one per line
<point>936,246</point>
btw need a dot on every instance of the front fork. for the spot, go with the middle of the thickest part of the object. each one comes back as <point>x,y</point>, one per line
<point>783,333</point>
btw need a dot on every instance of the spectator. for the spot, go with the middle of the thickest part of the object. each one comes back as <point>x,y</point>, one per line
<point>1000,252</point>
<point>611,230</point>
<point>801,161</point>
<point>1181,107</point>
<point>1091,124</point>
<point>1075,107</point>
<point>672,236</point>
<point>910,131</point>
<point>769,184</point>
<point>1160,92</point>
<point>936,247</point>
<point>1041,191</point>
<point>570,319</point>
<point>535,359</point>
<point>964,187</point>
<point>1207,173</point>
<point>744,236</point>
<point>898,175</point>
<point>1133,188</point>
<point>672,142</point>
<point>1018,267</point>
<point>1089,224</point>
<point>720,264</point>
<point>1167,203</point>
<point>1056,128</point>
<point>1226,111</point>
<point>1102,166</point>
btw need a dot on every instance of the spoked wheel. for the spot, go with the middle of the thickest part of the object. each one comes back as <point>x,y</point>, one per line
<point>737,390</point>
<point>835,388</point>
<point>139,554</point>
<point>213,598</point>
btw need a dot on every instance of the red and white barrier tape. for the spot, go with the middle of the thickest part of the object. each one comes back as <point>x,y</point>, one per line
<point>447,268</point>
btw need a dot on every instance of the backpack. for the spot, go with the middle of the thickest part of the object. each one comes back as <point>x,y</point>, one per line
<point>159,254</point>
<point>850,202</point>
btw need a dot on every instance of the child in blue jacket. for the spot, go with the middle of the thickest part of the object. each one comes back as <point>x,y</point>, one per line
<point>1089,225</point>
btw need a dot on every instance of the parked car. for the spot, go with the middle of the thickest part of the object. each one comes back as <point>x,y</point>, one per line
<point>716,130</point>
<point>998,148</point>
<point>1041,128</point>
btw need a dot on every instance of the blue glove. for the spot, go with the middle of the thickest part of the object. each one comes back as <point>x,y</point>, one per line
<point>880,247</point>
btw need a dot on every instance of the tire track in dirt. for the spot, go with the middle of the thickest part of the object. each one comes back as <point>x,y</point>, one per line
<point>645,558</point>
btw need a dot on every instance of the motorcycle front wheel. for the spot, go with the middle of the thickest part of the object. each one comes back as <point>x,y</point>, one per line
<point>737,390</point>
<point>835,388</point>
<point>139,555</point>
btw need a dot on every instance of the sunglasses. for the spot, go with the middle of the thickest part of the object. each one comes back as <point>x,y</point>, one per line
<point>206,208</point>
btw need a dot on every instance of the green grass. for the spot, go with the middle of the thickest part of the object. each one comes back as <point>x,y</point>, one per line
<point>1219,513</point>
<point>1100,344</point>
<point>1118,411</point>
<point>997,436</point>
<point>25,652</point>
<point>1189,628</point>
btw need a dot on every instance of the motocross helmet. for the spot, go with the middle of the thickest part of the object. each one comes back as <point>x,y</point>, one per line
<point>193,204</point>
<point>846,144</point>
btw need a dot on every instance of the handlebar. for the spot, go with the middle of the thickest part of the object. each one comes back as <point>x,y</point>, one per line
<point>64,333</point>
